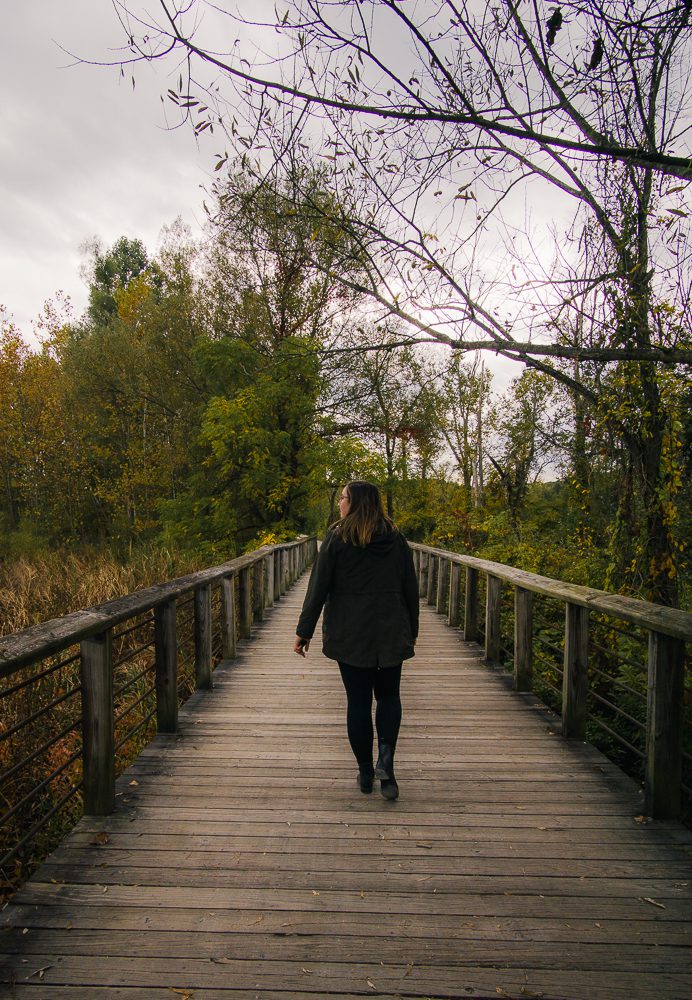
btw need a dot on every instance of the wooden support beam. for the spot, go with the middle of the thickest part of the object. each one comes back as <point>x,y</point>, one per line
<point>492,620</point>
<point>442,602</point>
<point>423,574</point>
<point>575,680</point>
<point>203,638</point>
<point>433,566</point>
<point>523,639</point>
<point>268,580</point>
<point>98,740</point>
<point>166,655</point>
<point>666,688</point>
<point>245,600</point>
<point>258,590</point>
<point>453,615</point>
<point>228,618</point>
<point>471,633</point>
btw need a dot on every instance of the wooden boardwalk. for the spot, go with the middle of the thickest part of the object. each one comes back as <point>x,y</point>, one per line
<point>242,862</point>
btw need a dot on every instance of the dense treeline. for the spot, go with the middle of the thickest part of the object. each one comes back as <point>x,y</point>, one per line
<point>208,401</point>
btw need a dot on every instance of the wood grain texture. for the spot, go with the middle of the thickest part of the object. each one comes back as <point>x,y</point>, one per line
<point>242,861</point>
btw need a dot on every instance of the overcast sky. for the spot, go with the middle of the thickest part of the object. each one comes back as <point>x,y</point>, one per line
<point>82,155</point>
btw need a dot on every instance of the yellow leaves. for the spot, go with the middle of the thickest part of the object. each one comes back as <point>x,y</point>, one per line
<point>131,299</point>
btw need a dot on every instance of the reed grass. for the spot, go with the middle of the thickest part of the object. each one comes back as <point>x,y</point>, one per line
<point>36,590</point>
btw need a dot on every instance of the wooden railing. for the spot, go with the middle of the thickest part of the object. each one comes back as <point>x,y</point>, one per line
<point>59,678</point>
<point>667,630</point>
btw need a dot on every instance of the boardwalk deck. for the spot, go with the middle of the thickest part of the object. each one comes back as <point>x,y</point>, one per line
<point>242,862</point>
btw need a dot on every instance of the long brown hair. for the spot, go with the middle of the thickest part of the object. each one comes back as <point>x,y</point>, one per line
<point>366,516</point>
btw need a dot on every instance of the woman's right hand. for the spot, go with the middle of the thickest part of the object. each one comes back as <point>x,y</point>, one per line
<point>301,646</point>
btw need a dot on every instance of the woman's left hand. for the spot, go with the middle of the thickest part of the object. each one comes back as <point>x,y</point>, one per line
<point>301,646</point>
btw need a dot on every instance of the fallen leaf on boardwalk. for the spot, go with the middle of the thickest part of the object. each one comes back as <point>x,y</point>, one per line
<point>648,899</point>
<point>315,892</point>
<point>185,994</point>
<point>105,888</point>
<point>362,893</point>
<point>25,931</point>
<point>642,819</point>
<point>409,969</point>
<point>308,972</point>
<point>503,993</point>
<point>371,984</point>
<point>100,838</point>
<point>428,846</point>
<point>526,992</point>
<point>39,972</point>
<point>259,919</point>
<point>134,782</point>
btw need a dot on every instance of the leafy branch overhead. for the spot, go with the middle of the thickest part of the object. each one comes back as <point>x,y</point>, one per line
<point>437,128</point>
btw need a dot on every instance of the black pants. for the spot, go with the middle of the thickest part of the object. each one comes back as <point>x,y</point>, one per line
<point>360,684</point>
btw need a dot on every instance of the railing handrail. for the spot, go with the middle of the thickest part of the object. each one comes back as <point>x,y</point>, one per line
<point>655,617</point>
<point>20,649</point>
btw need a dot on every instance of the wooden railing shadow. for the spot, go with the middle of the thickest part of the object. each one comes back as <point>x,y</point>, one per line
<point>666,762</point>
<point>83,694</point>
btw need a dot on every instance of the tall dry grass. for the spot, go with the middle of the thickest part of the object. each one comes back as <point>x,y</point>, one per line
<point>36,589</point>
<point>39,744</point>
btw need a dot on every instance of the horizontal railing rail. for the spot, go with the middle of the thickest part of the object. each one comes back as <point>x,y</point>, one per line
<point>82,694</point>
<point>577,680</point>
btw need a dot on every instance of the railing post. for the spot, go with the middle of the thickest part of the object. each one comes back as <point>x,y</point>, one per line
<point>166,655</point>
<point>471,633</point>
<point>423,574</point>
<point>433,566</point>
<point>258,590</point>
<point>284,571</point>
<point>454,585</point>
<point>443,586</point>
<point>98,738</point>
<point>492,619</point>
<point>268,580</point>
<point>228,618</point>
<point>666,682</point>
<point>203,654</point>
<point>416,562</point>
<point>523,639</point>
<point>575,679</point>
<point>277,574</point>
<point>245,600</point>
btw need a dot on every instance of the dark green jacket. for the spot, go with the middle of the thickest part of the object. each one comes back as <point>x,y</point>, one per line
<point>370,600</point>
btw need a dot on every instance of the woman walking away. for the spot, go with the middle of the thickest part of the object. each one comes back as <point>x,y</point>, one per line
<point>364,578</point>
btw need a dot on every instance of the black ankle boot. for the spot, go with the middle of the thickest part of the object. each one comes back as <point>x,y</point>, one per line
<point>365,779</point>
<point>389,788</point>
<point>384,768</point>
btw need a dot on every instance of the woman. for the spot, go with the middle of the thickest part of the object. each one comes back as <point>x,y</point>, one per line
<point>364,578</point>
